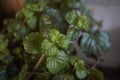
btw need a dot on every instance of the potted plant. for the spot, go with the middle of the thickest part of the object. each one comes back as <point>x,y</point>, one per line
<point>38,43</point>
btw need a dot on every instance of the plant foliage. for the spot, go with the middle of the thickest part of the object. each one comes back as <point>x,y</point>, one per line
<point>47,29</point>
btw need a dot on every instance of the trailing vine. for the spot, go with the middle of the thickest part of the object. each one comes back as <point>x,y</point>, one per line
<point>38,43</point>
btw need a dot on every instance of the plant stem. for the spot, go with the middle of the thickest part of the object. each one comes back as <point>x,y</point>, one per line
<point>97,62</point>
<point>36,66</point>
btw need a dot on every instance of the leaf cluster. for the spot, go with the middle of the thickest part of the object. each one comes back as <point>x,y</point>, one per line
<point>49,28</point>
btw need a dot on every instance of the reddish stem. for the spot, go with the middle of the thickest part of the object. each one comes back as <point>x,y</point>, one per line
<point>36,66</point>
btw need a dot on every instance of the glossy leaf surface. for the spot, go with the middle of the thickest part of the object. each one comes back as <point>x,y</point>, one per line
<point>48,48</point>
<point>57,63</point>
<point>73,34</point>
<point>95,43</point>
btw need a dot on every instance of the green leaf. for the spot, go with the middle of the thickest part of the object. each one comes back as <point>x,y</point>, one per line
<point>17,29</point>
<point>59,38</point>
<point>81,74</point>
<point>32,43</point>
<point>95,74</point>
<point>54,14</point>
<point>26,11</point>
<point>76,4</point>
<point>48,48</point>
<point>57,63</point>
<point>63,41</point>
<point>45,23</point>
<point>73,34</point>
<point>32,22</point>
<point>77,63</point>
<point>80,64</point>
<point>56,19</point>
<point>36,7</point>
<point>83,22</point>
<point>70,17</point>
<point>19,15</point>
<point>39,6</point>
<point>73,3</point>
<point>95,43</point>
<point>53,35</point>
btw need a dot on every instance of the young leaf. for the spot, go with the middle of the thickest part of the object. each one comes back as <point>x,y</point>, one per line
<point>57,63</point>
<point>95,43</point>
<point>80,64</point>
<point>48,48</point>
<point>54,34</point>
<point>70,17</point>
<point>83,22</point>
<point>63,41</point>
<point>81,74</point>
<point>32,43</point>
<point>59,38</point>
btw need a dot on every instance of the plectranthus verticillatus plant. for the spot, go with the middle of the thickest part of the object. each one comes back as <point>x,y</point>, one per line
<point>38,43</point>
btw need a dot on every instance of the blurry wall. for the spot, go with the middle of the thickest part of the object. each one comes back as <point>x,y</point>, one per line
<point>109,12</point>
